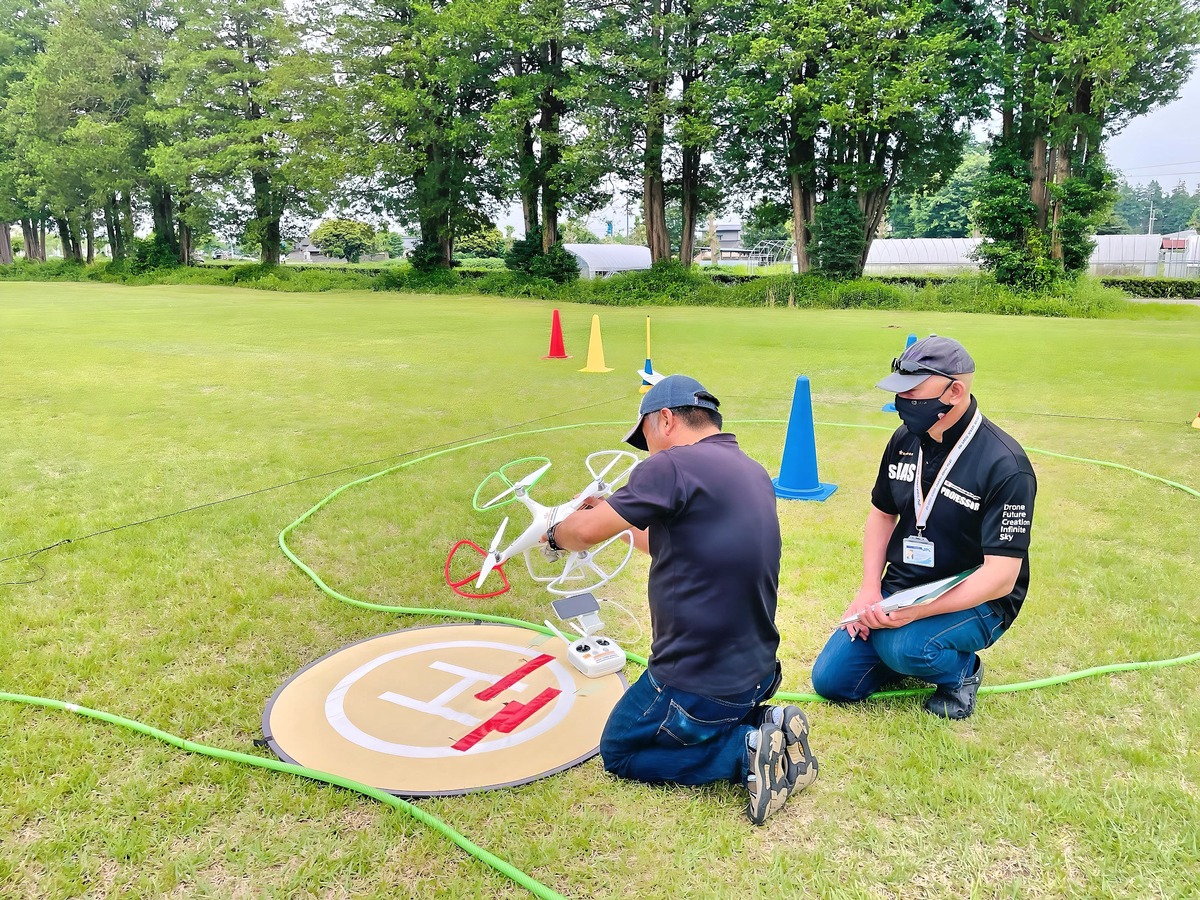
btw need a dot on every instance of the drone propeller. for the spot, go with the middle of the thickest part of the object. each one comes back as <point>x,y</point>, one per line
<point>492,557</point>
<point>601,484</point>
<point>518,487</point>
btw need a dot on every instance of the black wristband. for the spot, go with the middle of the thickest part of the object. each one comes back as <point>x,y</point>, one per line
<point>550,538</point>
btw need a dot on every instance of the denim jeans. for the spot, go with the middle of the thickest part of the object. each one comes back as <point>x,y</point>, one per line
<point>940,650</point>
<point>657,733</point>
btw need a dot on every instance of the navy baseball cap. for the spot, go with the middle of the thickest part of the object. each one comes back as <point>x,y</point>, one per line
<point>930,356</point>
<point>669,393</point>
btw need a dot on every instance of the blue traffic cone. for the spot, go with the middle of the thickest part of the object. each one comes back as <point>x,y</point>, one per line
<point>798,472</point>
<point>890,406</point>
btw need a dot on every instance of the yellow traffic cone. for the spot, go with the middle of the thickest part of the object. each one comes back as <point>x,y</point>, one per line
<point>1196,421</point>
<point>595,360</point>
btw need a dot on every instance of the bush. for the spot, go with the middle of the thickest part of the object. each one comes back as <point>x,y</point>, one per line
<point>667,283</point>
<point>146,254</point>
<point>427,257</point>
<point>526,255</point>
<point>557,264</point>
<point>1186,288</point>
<point>521,254</point>
<point>439,280</point>
<point>839,237</point>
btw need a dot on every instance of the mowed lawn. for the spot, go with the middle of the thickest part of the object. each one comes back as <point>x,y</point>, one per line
<point>127,404</point>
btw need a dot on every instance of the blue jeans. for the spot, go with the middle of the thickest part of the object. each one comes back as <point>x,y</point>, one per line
<point>657,733</point>
<point>940,650</point>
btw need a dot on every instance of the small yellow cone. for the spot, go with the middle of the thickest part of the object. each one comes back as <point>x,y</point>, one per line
<point>595,360</point>
<point>1196,421</point>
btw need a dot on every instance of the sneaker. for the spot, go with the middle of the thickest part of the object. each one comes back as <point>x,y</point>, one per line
<point>802,765</point>
<point>768,779</point>
<point>957,703</point>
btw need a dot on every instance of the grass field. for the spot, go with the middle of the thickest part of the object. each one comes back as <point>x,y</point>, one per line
<point>125,404</point>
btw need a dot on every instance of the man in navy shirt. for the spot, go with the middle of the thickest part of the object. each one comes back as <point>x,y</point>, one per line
<point>954,493</point>
<point>705,512</point>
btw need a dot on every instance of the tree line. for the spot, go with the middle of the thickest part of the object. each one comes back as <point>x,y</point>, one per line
<point>946,208</point>
<point>240,115</point>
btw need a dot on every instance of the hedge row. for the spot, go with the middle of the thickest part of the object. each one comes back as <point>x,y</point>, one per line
<point>663,285</point>
<point>1175,288</point>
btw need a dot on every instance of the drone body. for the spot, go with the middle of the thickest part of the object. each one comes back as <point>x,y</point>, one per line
<point>581,570</point>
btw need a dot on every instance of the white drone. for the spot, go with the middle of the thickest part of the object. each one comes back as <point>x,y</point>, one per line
<point>580,565</point>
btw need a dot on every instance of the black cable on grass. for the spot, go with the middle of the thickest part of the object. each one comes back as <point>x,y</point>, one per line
<point>32,556</point>
<point>276,487</point>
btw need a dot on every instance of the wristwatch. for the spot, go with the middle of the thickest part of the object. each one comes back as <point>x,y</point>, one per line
<point>550,538</point>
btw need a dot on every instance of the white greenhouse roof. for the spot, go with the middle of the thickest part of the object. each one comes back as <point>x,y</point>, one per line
<point>922,251</point>
<point>610,257</point>
<point>1126,248</point>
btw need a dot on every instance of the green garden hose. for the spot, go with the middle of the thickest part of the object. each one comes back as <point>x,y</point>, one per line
<point>500,865</point>
<point>504,868</point>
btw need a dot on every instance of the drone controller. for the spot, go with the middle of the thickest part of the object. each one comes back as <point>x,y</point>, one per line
<point>592,653</point>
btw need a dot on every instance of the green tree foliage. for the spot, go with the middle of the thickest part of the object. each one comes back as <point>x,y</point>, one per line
<point>22,41</point>
<point>1015,250</point>
<point>347,238</point>
<point>1071,74</point>
<point>528,256</point>
<point>550,161</point>
<point>838,238</point>
<point>768,221</point>
<point>487,241</point>
<point>420,78</point>
<point>240,106</point>
<point>576,231</point>
<point>944,209</point>
<point>833,101</point>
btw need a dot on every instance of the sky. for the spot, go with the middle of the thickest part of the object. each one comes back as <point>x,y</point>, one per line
<point>1163,145</point>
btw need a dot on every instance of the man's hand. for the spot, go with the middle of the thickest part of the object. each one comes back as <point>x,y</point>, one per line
<point>874,617</point>
<point>863,600</point>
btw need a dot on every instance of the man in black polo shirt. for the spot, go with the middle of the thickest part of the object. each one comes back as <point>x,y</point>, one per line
<point>705,512</point>
<point>971,506</point>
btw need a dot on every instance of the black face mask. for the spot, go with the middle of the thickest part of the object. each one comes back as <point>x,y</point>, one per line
<point>919,416</point>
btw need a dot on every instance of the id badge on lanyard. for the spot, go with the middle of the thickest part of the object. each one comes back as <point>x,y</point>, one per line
<point>918,549</point>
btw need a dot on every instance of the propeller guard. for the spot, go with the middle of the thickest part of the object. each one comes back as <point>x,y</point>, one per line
<point>457,585</point>
<point>581,565</point>
<point>510,486</point>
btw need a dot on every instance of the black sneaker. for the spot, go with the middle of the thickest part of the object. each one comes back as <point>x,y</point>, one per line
<point>768,779</point>
<point>957,703</point>
<point>802,764</point>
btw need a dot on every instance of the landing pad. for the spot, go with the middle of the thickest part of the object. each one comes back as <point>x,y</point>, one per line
<point>442,709</point>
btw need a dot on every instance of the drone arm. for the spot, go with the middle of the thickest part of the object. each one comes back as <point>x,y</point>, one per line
<point>585,528</point>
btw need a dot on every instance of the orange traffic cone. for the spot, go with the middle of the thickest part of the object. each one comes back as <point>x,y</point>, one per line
<point>557,350</point>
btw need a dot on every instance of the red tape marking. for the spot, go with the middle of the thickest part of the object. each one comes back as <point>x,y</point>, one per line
<point>507,719</point>
<point>490,693</point>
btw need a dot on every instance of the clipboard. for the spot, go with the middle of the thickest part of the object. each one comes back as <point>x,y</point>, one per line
<point>916,595</point>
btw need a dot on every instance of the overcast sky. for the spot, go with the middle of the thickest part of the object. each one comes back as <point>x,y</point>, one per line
<point>1162,145</point>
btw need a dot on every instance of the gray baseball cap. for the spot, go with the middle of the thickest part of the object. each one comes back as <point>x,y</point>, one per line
<point>670,392</point>
<point>933,355</point>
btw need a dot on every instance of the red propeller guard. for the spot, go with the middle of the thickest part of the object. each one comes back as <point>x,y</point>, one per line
<point>456,585</point>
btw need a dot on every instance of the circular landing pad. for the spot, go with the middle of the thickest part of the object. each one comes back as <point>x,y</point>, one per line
<point>442,709</point>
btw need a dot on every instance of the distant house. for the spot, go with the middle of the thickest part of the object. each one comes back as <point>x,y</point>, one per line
<point>602,260</point>
<point>308,252</point>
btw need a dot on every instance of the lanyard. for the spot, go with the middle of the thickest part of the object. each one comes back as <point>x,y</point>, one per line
<point>924,505</point>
